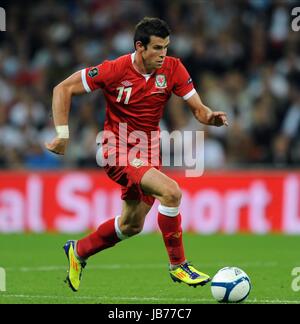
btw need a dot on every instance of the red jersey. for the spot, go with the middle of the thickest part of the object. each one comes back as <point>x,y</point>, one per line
<point>134,98</point>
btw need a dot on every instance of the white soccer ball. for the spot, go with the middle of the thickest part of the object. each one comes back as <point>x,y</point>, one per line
<point>230,284</point>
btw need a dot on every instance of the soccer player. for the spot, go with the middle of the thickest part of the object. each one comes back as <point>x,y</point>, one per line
<point>136,87</point>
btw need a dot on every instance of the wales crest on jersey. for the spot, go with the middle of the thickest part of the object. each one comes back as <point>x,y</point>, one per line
<point>161,81</point>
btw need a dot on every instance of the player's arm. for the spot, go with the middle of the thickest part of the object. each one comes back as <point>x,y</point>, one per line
<point>61,103</point>
<point>204,114</point>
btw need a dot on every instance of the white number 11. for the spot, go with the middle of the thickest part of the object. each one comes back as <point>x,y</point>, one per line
<point>128,93</point>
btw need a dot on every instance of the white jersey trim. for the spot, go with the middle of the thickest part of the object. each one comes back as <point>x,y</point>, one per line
<point>132,57</point>
<point>189,95</point>
<point>84,82</point>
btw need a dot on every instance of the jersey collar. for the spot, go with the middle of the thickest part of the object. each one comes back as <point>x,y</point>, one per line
<point>146,76</point>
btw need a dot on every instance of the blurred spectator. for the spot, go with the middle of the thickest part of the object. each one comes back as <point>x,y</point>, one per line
<point>38,158</point>
<point>243,58</point>
<point>262,130</point>
<point>291,126</point>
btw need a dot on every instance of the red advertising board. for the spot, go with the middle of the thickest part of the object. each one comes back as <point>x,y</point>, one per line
<point>227,202</point>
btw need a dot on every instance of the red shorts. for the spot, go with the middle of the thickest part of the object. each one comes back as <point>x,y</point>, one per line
<point>129,177</point>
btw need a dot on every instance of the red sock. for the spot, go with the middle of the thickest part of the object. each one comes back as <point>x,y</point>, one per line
<point>104,237</point>
<point>172,235</point>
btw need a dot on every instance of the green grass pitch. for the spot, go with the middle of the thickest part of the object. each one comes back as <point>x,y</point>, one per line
<point>135,271</point>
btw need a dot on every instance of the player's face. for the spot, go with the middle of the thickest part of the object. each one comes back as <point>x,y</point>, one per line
<point>156,52</point>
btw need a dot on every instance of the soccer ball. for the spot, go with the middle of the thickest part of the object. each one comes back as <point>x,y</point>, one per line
<point>230,284</point>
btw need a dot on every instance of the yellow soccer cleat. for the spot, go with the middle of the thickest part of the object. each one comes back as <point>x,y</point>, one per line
<point>75,266</point>
<point>189,275</point>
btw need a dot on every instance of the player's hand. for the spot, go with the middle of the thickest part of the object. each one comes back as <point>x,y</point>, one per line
<point>218,118</point>
<point>57,146</point>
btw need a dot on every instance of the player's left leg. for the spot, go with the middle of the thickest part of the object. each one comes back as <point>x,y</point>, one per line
<point>168,193</point>
<point>129,223</point>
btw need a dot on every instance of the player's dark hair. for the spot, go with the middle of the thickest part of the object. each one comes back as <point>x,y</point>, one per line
<point>148,27</point>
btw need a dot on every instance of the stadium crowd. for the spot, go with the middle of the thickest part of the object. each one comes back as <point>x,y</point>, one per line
<point>243,56</point>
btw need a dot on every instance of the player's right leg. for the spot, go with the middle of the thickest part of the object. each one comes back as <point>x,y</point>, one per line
<point>129,223</point>
<point>168,193</point>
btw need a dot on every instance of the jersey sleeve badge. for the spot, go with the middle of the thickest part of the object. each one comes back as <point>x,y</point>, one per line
<point>93,72</point>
